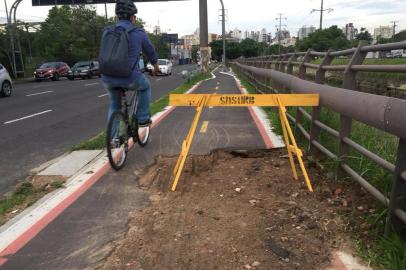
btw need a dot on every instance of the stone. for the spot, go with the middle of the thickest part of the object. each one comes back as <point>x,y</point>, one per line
<point>284,239</point>
<point>338,191</point>
<point>247,266</point>
<point>253,202</point>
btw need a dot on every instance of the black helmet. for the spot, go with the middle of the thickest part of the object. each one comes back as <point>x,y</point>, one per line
<point>125,8</point>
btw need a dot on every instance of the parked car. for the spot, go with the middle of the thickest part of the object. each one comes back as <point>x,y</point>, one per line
<point>84,69</point>
<point>165,66</point>
<point>149,68</point>
<point>6,85</point>
<point>51,70</point>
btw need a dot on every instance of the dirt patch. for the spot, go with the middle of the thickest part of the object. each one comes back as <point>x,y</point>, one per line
<point>234,210</point>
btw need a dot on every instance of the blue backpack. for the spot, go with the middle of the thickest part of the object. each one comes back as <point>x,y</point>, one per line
<point>114,57</point>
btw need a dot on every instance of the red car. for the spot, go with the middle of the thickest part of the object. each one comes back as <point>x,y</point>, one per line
<point>51,70</point>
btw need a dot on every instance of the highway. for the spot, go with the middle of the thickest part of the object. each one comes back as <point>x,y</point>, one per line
<point>41,121</point>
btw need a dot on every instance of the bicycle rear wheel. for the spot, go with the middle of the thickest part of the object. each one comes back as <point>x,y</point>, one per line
<point>117,140</point>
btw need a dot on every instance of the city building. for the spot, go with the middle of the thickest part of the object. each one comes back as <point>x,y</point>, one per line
<point>263,36</point>
<point>157,30</point>
<point>212,37</point>
<point>236,34</point>
<point>191,40</point>
<point>287,42</point>
<point>305,31</point>
<point>284,34</point>
<point>383,32</point>
<point>169,38</point>
<point>247,34</point>
<point>350,31</point>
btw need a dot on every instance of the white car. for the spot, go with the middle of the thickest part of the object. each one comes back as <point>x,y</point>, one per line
<point>6,85</point>
<point>165,66</point>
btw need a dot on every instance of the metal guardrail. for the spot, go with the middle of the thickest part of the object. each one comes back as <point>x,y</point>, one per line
<point>384,113</point>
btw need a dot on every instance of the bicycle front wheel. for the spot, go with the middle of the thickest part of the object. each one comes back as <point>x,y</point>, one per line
<point>117,140</point>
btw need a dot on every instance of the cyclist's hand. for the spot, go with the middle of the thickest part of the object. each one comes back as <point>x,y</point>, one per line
<point>156,70</point>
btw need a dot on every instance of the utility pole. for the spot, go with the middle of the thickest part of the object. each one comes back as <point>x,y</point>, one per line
<point>394,28</point>
<point>223,22</point>
<point>204,33</point>
<point>5,4</point>
<point>321,10</point>
<point>105,11</point>
<point>279,29</point>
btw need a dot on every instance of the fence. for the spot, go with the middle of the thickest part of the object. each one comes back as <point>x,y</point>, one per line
<point>384,113</point>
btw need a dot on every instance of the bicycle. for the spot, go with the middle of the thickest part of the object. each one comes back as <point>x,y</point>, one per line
<point>121,127</point>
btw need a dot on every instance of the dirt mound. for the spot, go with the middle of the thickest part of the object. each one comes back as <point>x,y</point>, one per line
<point>232,210</point>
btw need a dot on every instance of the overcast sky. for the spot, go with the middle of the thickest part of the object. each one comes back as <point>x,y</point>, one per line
<point>183,17</point>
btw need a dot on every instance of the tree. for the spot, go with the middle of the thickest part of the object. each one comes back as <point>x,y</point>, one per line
<point>364,35</point>
<point>322,40</point>
<point>69,34</point>
<point>163,50</point>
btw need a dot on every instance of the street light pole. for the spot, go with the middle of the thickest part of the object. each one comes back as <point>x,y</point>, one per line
<point>223,21</point>
<point>321,10</point>
<point>204,39</point>
<point>321,15</point>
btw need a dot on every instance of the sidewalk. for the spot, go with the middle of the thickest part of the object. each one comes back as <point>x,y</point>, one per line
<point>83,235</point>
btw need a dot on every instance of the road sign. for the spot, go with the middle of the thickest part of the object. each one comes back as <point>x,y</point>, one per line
<point>84,2</point>
<point>245,100</point>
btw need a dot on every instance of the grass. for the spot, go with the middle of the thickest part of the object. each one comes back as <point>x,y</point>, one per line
<point>23,196</point>
<point>386,253</point>
<point>99,141</point>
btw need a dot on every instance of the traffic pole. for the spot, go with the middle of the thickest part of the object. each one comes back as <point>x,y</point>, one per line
<point>204,36</point>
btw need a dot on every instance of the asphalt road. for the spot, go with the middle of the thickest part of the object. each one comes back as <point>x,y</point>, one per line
<point>85,233</point>
<point>41,121</point>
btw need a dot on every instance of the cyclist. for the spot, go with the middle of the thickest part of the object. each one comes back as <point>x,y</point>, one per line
<point>138,41</point>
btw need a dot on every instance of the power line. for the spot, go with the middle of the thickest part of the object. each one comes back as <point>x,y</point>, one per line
<point>279,29</point>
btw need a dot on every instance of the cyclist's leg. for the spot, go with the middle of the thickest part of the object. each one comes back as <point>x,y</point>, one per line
<point>144,99</point>
<point>114,101</point>
<point>114,105</point>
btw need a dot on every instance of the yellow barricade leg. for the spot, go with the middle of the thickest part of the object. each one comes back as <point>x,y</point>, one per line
<point>289,137</point>
<point>187,142</point>
<point>287,143</point>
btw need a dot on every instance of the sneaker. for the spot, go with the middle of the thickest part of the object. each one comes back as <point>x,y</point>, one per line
<point>145,123</point>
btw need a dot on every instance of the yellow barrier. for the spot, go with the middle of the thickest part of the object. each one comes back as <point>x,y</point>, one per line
<point>269,100</point>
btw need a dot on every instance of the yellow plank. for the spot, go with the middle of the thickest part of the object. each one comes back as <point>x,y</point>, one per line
<point>219,100</point>
<point>204,126</point>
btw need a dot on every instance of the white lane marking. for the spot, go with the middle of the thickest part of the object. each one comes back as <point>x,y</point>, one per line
<point>102,95</point>
<point>40,93</point>
<point>159,79</point>
<point>25,117</point>
<point>89,84</point>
